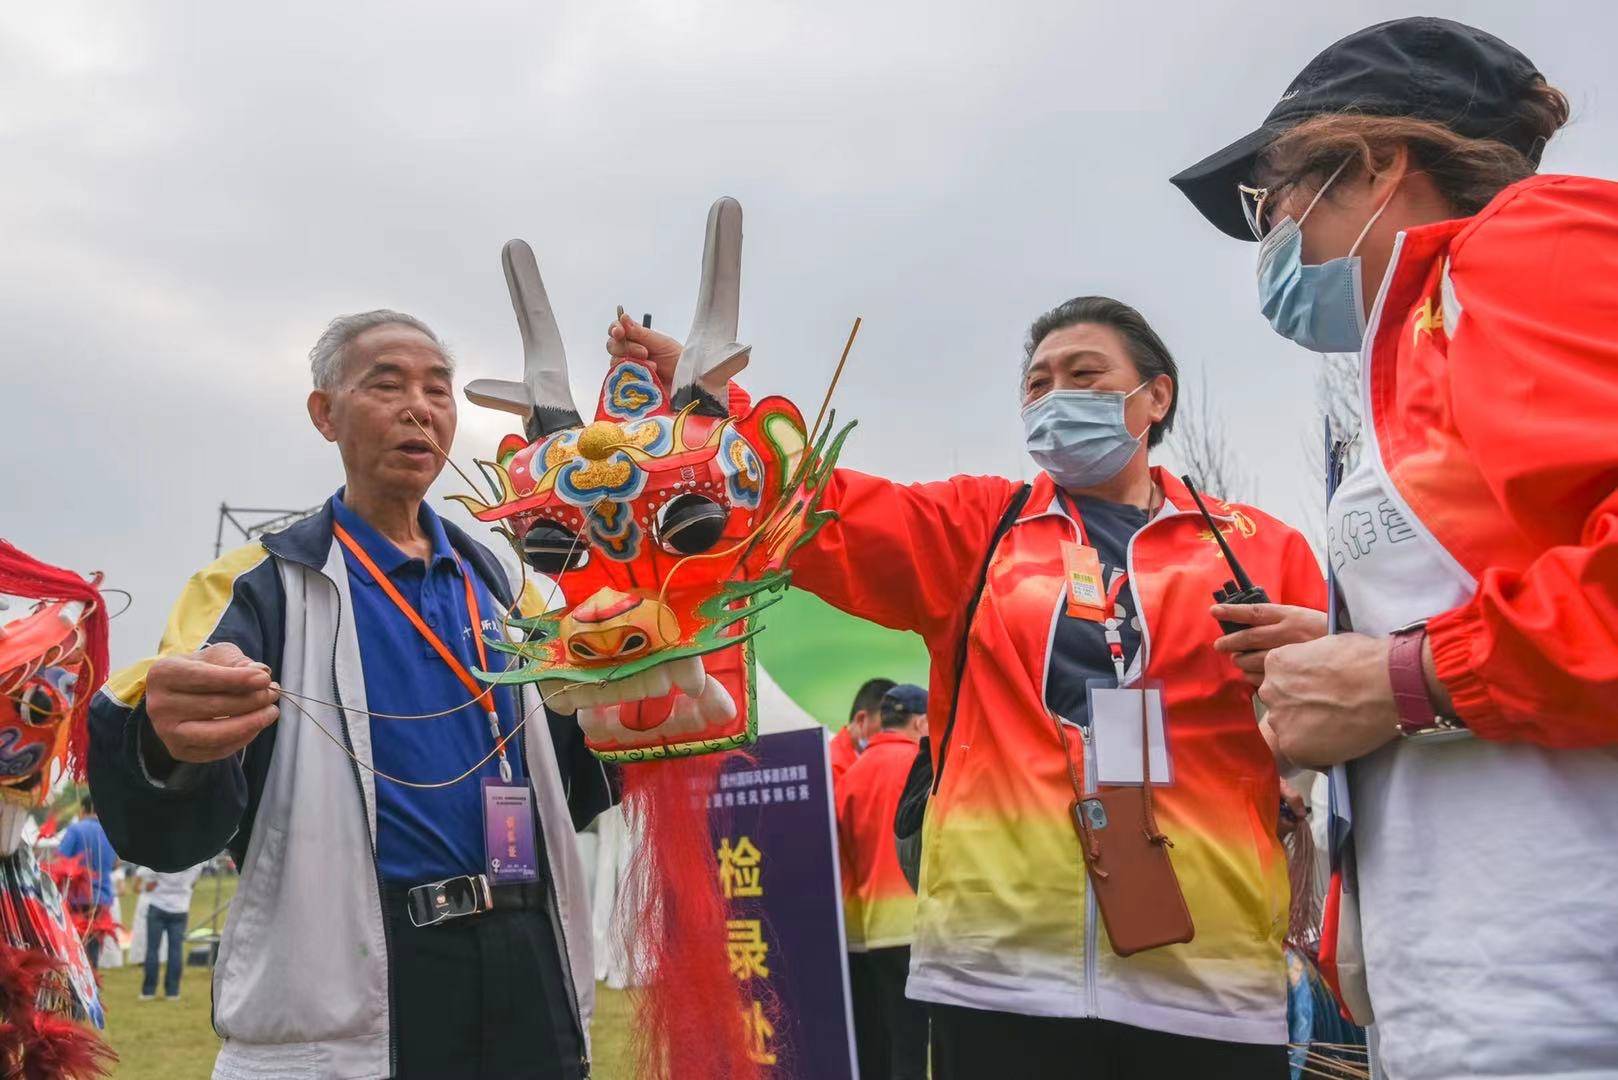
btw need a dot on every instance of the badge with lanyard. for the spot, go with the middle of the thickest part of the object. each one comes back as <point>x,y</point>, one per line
<point>509,845</point>
<point>1120,718</point>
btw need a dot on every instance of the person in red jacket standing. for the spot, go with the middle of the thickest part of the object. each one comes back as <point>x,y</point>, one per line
<point>890,1030</point>
<point>1475,539</point>
<point>849,743</point>
<point>1096,578</point>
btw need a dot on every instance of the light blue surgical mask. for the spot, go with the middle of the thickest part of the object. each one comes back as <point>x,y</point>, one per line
<point>1320,307</point>
<point>1079,436</point>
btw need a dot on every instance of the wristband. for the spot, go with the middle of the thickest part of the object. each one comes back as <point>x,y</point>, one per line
<point>1409,678</point>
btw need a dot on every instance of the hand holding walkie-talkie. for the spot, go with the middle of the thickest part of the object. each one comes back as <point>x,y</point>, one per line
<point>1239,591</point>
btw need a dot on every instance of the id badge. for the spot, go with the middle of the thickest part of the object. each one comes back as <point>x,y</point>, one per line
<point>510,854</point>
<point>1081,580</point>
<point>1115,725</point>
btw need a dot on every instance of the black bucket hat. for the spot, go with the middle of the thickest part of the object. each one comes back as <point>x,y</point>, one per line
<point>1429,69</point>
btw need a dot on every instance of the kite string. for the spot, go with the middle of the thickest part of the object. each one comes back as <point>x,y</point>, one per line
<point>499,746</point>
<point>505,617</point>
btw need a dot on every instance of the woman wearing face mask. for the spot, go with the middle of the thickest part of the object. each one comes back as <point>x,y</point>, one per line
<point>1475,539</point>
<point>1009,952</point>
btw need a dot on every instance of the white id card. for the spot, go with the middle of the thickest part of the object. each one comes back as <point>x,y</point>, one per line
<point>1115,726</point>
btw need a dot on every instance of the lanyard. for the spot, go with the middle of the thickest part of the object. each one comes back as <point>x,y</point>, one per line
<point>1110,625</point>
<point>482,695</point>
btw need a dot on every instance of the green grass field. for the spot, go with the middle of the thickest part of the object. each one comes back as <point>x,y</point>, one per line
<point>174,1040</point>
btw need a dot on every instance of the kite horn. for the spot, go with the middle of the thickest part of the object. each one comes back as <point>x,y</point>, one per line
<point>543,398</point>
<point>712,354</point>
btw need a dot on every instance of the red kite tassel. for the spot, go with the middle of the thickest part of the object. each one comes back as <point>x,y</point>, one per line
<point>689,1006</point>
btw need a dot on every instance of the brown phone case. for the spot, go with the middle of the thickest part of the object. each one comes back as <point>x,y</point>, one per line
<point>1135,886</point>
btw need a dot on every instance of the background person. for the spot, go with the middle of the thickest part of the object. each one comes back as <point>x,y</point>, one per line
<point>863,721</point>
<point>845,748</point>
<point>1009,952</point>
<point>889,1029</point>
<point>92,894</point>
<point>1475,539</point>
<point>335,960</point>
<point>168,909</point>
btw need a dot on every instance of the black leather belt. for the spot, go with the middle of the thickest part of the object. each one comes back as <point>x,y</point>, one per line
<point>471,894</point>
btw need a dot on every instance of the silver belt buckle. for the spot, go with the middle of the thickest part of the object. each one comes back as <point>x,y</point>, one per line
<point>445,903</point>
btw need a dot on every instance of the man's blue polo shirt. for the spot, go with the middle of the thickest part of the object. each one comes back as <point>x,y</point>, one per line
<point>425,835</point>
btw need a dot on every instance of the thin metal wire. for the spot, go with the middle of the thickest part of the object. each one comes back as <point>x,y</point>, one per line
<point>127,595</point>
<point>505,617</point>
<point>499,748</point>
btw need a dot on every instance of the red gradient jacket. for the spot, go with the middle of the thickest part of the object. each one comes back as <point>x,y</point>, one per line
<point>1493,393</point>
<point>1004,920</point>
<point>875,891</point>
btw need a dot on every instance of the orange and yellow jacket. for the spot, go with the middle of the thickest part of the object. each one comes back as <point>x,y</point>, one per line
<point>1493,398</point>
<point>1004,920</point>
<point>879,904</point>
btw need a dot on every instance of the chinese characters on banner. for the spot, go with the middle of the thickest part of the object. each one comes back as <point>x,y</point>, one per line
<point>774,838</point>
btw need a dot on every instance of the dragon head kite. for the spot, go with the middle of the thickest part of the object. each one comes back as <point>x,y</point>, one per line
<point>52,661</point>
<point>666,522</point>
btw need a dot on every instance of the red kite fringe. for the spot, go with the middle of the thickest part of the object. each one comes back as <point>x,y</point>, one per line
<point>689,1015</point>
<point>39,1045</point>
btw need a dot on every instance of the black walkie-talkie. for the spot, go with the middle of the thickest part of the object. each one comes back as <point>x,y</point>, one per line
<point>1240,591</point>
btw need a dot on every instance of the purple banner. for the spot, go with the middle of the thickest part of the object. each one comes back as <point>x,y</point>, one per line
<point>775,834</point>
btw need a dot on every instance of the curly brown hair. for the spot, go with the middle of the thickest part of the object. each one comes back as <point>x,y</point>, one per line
<point>1467,172</point>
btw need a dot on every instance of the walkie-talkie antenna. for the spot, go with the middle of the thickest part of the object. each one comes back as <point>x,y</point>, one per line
<point>1242,579</point>
<point>1240,591</point>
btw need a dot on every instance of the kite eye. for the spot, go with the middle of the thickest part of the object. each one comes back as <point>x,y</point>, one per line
<point>41,705</point>
<point>690,524</point>
<point>551,549</point>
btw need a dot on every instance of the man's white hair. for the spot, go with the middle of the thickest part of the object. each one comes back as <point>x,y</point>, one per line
<point>326,358</point>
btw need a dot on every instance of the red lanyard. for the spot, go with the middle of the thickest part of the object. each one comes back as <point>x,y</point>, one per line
<point>482,695</point>
<point>1115,641</point>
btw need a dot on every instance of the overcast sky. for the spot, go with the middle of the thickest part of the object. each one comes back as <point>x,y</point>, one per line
<point>189,191</point>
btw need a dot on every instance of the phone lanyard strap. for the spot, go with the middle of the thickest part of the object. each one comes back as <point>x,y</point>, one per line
<point>483,696</point>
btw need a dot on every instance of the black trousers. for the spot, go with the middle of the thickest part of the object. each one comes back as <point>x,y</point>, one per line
<point>481,998</point>
<point>890,1030</point>
<point>970,1044</point>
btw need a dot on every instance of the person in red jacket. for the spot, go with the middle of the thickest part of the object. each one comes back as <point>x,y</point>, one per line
<point>1474,539</point>
<point>889,1029</point>
<point>863,719</point>
<point>1010,953</point>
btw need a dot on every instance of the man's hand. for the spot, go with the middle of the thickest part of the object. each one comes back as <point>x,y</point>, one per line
<point>1329,701</point>
<point>1271,626</point>
<point>210,704</point>
<point>626,337</point>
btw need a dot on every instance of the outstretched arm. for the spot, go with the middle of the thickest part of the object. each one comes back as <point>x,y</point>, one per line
<point>174,738</point>
<point>900,555</point>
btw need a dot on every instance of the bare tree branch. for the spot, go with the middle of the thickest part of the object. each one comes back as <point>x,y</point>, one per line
<point>1201,443</point>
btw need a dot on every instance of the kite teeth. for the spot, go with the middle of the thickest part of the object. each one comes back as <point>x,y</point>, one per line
<point>658,681</point>
<point>600,722</point>
<point>688,675</point>
<point>715,704</point>
<point>558,697</point>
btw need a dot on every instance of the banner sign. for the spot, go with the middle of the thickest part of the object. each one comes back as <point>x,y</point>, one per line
<point>774,832</point>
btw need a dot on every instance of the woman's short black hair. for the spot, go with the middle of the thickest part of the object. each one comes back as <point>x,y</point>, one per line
<point>1152,358</point>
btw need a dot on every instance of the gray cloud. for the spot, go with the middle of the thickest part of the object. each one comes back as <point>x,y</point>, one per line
<point>191,190</point>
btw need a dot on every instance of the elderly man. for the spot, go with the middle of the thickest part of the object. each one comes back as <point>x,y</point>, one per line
<point>311,708</point>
